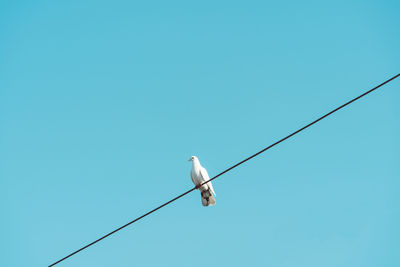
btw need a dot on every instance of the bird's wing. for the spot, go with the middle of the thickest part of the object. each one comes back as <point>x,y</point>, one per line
<point>204,175</point>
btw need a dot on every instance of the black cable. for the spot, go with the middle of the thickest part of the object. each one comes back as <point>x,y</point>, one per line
<point>234,166</point>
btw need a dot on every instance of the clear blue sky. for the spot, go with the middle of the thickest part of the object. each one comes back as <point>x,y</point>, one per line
<point>103,102</point>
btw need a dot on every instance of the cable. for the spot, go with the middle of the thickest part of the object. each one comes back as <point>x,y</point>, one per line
<point>234,166</point>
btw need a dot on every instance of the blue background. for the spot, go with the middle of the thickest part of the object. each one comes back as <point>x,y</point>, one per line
<point>103,102</point>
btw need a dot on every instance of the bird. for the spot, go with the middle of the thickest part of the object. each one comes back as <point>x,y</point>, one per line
<point>199,175</point>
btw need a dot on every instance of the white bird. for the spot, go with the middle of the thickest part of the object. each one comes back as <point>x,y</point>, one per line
<point>199,175</point>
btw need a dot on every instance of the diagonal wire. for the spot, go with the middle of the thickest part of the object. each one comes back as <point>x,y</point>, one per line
<point>234,166</point>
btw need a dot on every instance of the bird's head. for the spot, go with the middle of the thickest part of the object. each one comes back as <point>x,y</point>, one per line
<point>193,158</point>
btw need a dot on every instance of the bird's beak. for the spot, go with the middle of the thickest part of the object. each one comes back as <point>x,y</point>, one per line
<point>190,159</point>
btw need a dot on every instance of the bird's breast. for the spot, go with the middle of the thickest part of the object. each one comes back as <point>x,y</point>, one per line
<point>196,173</point>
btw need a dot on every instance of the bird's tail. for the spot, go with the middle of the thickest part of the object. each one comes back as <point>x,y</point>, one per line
<point>207,198</point>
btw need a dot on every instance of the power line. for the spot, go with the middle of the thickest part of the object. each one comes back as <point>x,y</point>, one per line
<point>234,166</point>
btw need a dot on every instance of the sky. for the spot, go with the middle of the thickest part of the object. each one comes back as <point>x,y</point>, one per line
<point>102,103</point>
